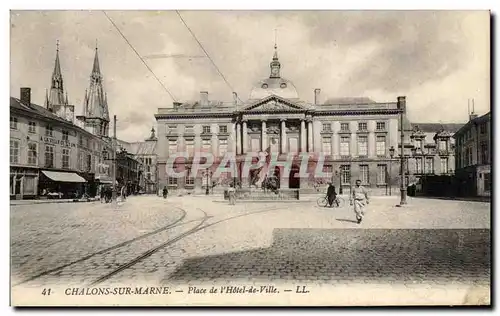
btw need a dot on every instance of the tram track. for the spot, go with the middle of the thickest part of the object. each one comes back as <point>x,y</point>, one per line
<point>176,223</point>
<point>172,241</point>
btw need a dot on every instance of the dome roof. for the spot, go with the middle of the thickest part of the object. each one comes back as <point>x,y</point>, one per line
<point>277,86</point>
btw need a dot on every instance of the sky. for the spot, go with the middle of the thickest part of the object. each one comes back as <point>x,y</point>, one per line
<point>437,59</point>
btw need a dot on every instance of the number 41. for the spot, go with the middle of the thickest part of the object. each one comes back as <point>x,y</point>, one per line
<point>46,292</point>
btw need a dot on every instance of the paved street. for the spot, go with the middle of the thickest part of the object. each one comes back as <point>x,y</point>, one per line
<point>197,240</point>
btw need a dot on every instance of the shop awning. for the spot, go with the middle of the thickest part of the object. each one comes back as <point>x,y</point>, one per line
<point>63,176</point>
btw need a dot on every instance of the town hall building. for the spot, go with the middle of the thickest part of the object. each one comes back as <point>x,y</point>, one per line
<point>354,135</point>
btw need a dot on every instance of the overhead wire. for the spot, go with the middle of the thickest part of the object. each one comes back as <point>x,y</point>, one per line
<point>140,57</point>
<point>208,55</point>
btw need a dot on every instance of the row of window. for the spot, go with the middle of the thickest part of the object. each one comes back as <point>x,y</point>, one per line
<point>362,126</point>
<point>206,129</point>
<point>345,146</point>
<point>327,127</point>
<point>466,158</point>
<point>468,134</point>
<point>206,146</point>
<point>419,144</point>
<point>83,164</point>
<point>49,132</point>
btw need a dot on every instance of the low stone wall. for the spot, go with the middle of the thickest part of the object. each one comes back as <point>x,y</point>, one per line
<point>256,194</point>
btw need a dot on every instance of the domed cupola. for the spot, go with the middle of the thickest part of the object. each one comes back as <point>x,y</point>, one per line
<point>275,84</point>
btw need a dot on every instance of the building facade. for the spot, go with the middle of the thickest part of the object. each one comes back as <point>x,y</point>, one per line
<point>473,157</point>
<point>49,152</point>
<point>353,135</point>
<point>144,154</point>
<point>127,171</point>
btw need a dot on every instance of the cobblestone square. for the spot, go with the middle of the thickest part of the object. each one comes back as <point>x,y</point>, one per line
<point>201,240</point>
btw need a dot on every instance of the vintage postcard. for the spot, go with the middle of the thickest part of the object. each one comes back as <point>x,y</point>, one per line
<point>250,158</point>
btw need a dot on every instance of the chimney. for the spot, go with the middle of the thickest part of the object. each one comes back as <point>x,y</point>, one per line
<point>204,98</point>
<point>26,96</point>
<point>235,98</point>
<point>177,105</point>
<point>472,116</point>
<point>402,104</point>
<point>316,96</point>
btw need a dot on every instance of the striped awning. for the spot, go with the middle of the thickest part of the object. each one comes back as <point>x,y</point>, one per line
<point>63,176</point>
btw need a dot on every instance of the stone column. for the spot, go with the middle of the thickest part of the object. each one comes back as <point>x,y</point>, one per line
<point>238,138</point>
<point>310,136</point>
<point>245,137</point>
<point>283,136</point>
<point>234,139</point>
<point>303,136</point>
<point>264,136</point>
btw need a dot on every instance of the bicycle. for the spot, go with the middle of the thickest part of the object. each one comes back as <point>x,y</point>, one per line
<point>323,201</point>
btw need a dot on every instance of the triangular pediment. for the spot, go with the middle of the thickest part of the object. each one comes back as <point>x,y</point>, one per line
<point>273,103</point>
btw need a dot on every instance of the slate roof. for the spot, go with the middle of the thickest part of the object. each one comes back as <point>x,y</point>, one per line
<point>44,113</point>
<point>147,147</point>
<point>349,100</point>
<point>436,127</point>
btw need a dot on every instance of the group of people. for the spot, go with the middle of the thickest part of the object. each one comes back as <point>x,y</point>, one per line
<point>106,193</point>
<point>359,199</point>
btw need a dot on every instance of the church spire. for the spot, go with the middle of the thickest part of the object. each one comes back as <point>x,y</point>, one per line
<point>56,95</point>
<point>95,104</point>
<point>56,74</point>
<point>96,71</point>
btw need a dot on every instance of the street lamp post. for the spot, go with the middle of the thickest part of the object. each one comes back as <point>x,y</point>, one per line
<point>391,153</point>
<point>207,191</point>
<point>401,106</point>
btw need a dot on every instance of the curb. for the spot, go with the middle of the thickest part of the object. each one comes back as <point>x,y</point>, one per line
<point>263,201</point>
<point>51,202</point>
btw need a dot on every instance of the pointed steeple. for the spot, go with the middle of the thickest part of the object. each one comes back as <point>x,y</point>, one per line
<point>95,104</point>
<point>56,94</point>
<point>96,70</point>
<point>56,74</point>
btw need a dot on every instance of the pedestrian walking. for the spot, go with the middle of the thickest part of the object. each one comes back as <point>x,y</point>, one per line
<point>165,192</point>
<point>359,198</point>
<point>331,194</point>
<point>231,192</point>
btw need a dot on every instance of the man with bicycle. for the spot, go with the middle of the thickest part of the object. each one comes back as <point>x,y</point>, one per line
<point>359,198</point>
<point>331,195</point>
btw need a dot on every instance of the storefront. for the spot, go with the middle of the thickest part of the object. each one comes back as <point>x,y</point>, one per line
<point>58,184</point>
<point>23,183</point>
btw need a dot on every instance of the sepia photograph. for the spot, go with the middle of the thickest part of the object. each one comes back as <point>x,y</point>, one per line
<point>250,158</point>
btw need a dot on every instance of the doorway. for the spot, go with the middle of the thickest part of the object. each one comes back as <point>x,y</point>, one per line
<point>294,179</point>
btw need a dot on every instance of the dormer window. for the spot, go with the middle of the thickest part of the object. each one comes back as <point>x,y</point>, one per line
<point>283,85</point>
<point>264,86</point>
